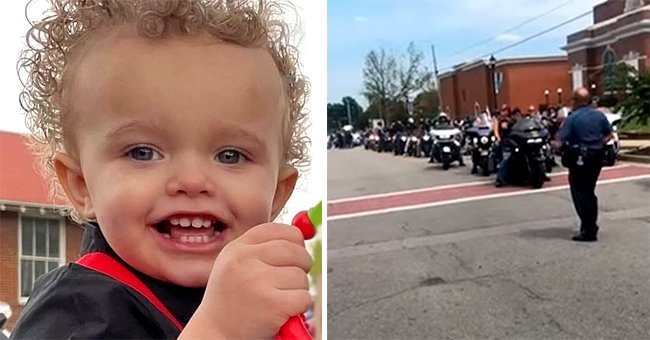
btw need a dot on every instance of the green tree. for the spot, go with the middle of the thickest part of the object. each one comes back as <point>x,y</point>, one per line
<point>633,94</point>
<point>427,103</point>
<point>390,79</point>
<point>337,114</point>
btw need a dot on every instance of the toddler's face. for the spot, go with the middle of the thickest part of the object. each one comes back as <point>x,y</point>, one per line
<point>179,146</point>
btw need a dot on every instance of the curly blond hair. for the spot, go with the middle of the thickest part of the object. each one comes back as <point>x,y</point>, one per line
<point>68,23</point>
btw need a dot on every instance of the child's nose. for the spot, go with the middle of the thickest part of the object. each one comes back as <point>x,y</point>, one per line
<point>190,181</point>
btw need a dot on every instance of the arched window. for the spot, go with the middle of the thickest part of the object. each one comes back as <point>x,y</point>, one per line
<point>609,63</point>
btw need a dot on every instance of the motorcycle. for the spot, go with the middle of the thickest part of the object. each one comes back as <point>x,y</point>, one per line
<point>482,140</point>
<point>330,141</point>
<point>446,145</point>
<point>412,146</point>
<point>385,142</point>
<point>399,143</point>
<point>5,314</point>
<point>613,145</point>
<point>426,145</point>
<point>356,139</point>
<point>528,143</point>
<point>373,142</point>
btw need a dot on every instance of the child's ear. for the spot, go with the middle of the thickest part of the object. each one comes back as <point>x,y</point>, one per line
<point>286,184</point>
<point>71,178</point>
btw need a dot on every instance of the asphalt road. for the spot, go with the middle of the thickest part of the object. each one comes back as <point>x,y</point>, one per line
<point>489,265</point>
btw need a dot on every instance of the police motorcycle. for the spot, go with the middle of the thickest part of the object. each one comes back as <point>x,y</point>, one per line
<point>612,147</point>
<point>5,314</point>
<point>446,143</point>
<point>528,143</point>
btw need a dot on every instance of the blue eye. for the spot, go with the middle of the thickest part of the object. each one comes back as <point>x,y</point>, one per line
<point>229,156</point>
<point>143,153</point>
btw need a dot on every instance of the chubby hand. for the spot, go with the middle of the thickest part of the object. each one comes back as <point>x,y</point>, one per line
<point>257,282</point>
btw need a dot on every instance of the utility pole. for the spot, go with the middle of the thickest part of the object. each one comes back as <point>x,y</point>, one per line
<point>435,72</point>
<point>347,105</point>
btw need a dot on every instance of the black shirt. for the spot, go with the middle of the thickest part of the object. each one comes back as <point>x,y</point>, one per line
<point>75,302</point>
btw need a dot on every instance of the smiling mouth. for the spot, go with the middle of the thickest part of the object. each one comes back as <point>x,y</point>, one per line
<point>190,229</point>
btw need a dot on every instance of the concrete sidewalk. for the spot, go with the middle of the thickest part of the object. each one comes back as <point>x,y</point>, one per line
<point>634,143</point>
<point>630,150</point>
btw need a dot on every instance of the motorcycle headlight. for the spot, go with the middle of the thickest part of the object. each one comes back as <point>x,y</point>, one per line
<point>414,139</point>
<point>444,136</point>
<point>494,138</point>
<point>614,128</point>
<point>403,139</point>
<point>426,138</point>
<point>475,140</point>
<point>456,142</point>
<point>484,139</point>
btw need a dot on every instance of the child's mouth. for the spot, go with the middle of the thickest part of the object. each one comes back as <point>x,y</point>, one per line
<point>190,229</point>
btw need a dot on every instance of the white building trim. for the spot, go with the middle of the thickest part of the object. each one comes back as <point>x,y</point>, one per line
<point>610,37</point>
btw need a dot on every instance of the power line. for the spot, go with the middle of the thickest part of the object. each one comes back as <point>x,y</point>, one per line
<point>524,23</point>
<point>531,37</point>
<point>537,34</point>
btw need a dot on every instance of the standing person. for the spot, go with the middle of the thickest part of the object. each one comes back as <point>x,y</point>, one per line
<point>502,125</point>
<point>584,135</point>
<point>176,131</point>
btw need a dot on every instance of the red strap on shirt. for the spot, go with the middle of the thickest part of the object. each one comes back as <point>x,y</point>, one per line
<point>109,266</point>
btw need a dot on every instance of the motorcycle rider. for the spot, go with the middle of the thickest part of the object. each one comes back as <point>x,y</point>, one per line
<point>502,126</point>
<point>482,120</point>
<point>411,130</point>
<point>443,122</point>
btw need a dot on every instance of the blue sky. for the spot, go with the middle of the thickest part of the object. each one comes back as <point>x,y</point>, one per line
<point>355,27</point>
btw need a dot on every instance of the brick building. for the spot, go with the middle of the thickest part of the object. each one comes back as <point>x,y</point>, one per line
<point>519,82</point>
<point>33,237</point>
<point>620,34</point>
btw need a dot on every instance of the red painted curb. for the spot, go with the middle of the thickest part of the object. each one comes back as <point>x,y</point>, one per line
<point>446,194</point>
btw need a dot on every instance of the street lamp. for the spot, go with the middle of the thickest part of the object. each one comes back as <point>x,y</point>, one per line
<point>493,63</point>
<point>546,93</point>
<point>559,96</point>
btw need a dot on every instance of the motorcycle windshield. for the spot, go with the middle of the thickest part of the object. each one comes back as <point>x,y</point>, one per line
<point>484,131</point>
<point>528,128</point>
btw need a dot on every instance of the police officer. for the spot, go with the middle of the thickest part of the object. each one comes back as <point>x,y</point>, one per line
<point>584,135</point>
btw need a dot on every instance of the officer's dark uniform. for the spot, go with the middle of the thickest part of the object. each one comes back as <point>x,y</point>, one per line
<point>583,132</point>
<point>73,302</point>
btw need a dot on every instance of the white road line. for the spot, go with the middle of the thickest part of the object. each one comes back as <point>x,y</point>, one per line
<point>442,187</point>
<point>475,198</point>
<point>465,235</point>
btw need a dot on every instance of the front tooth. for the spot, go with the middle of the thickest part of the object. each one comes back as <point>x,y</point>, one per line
<point>174,221</point>
<point>197,222</point>
<point>207,223</point>
<point>184,238</point>
<point>185,222</point>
